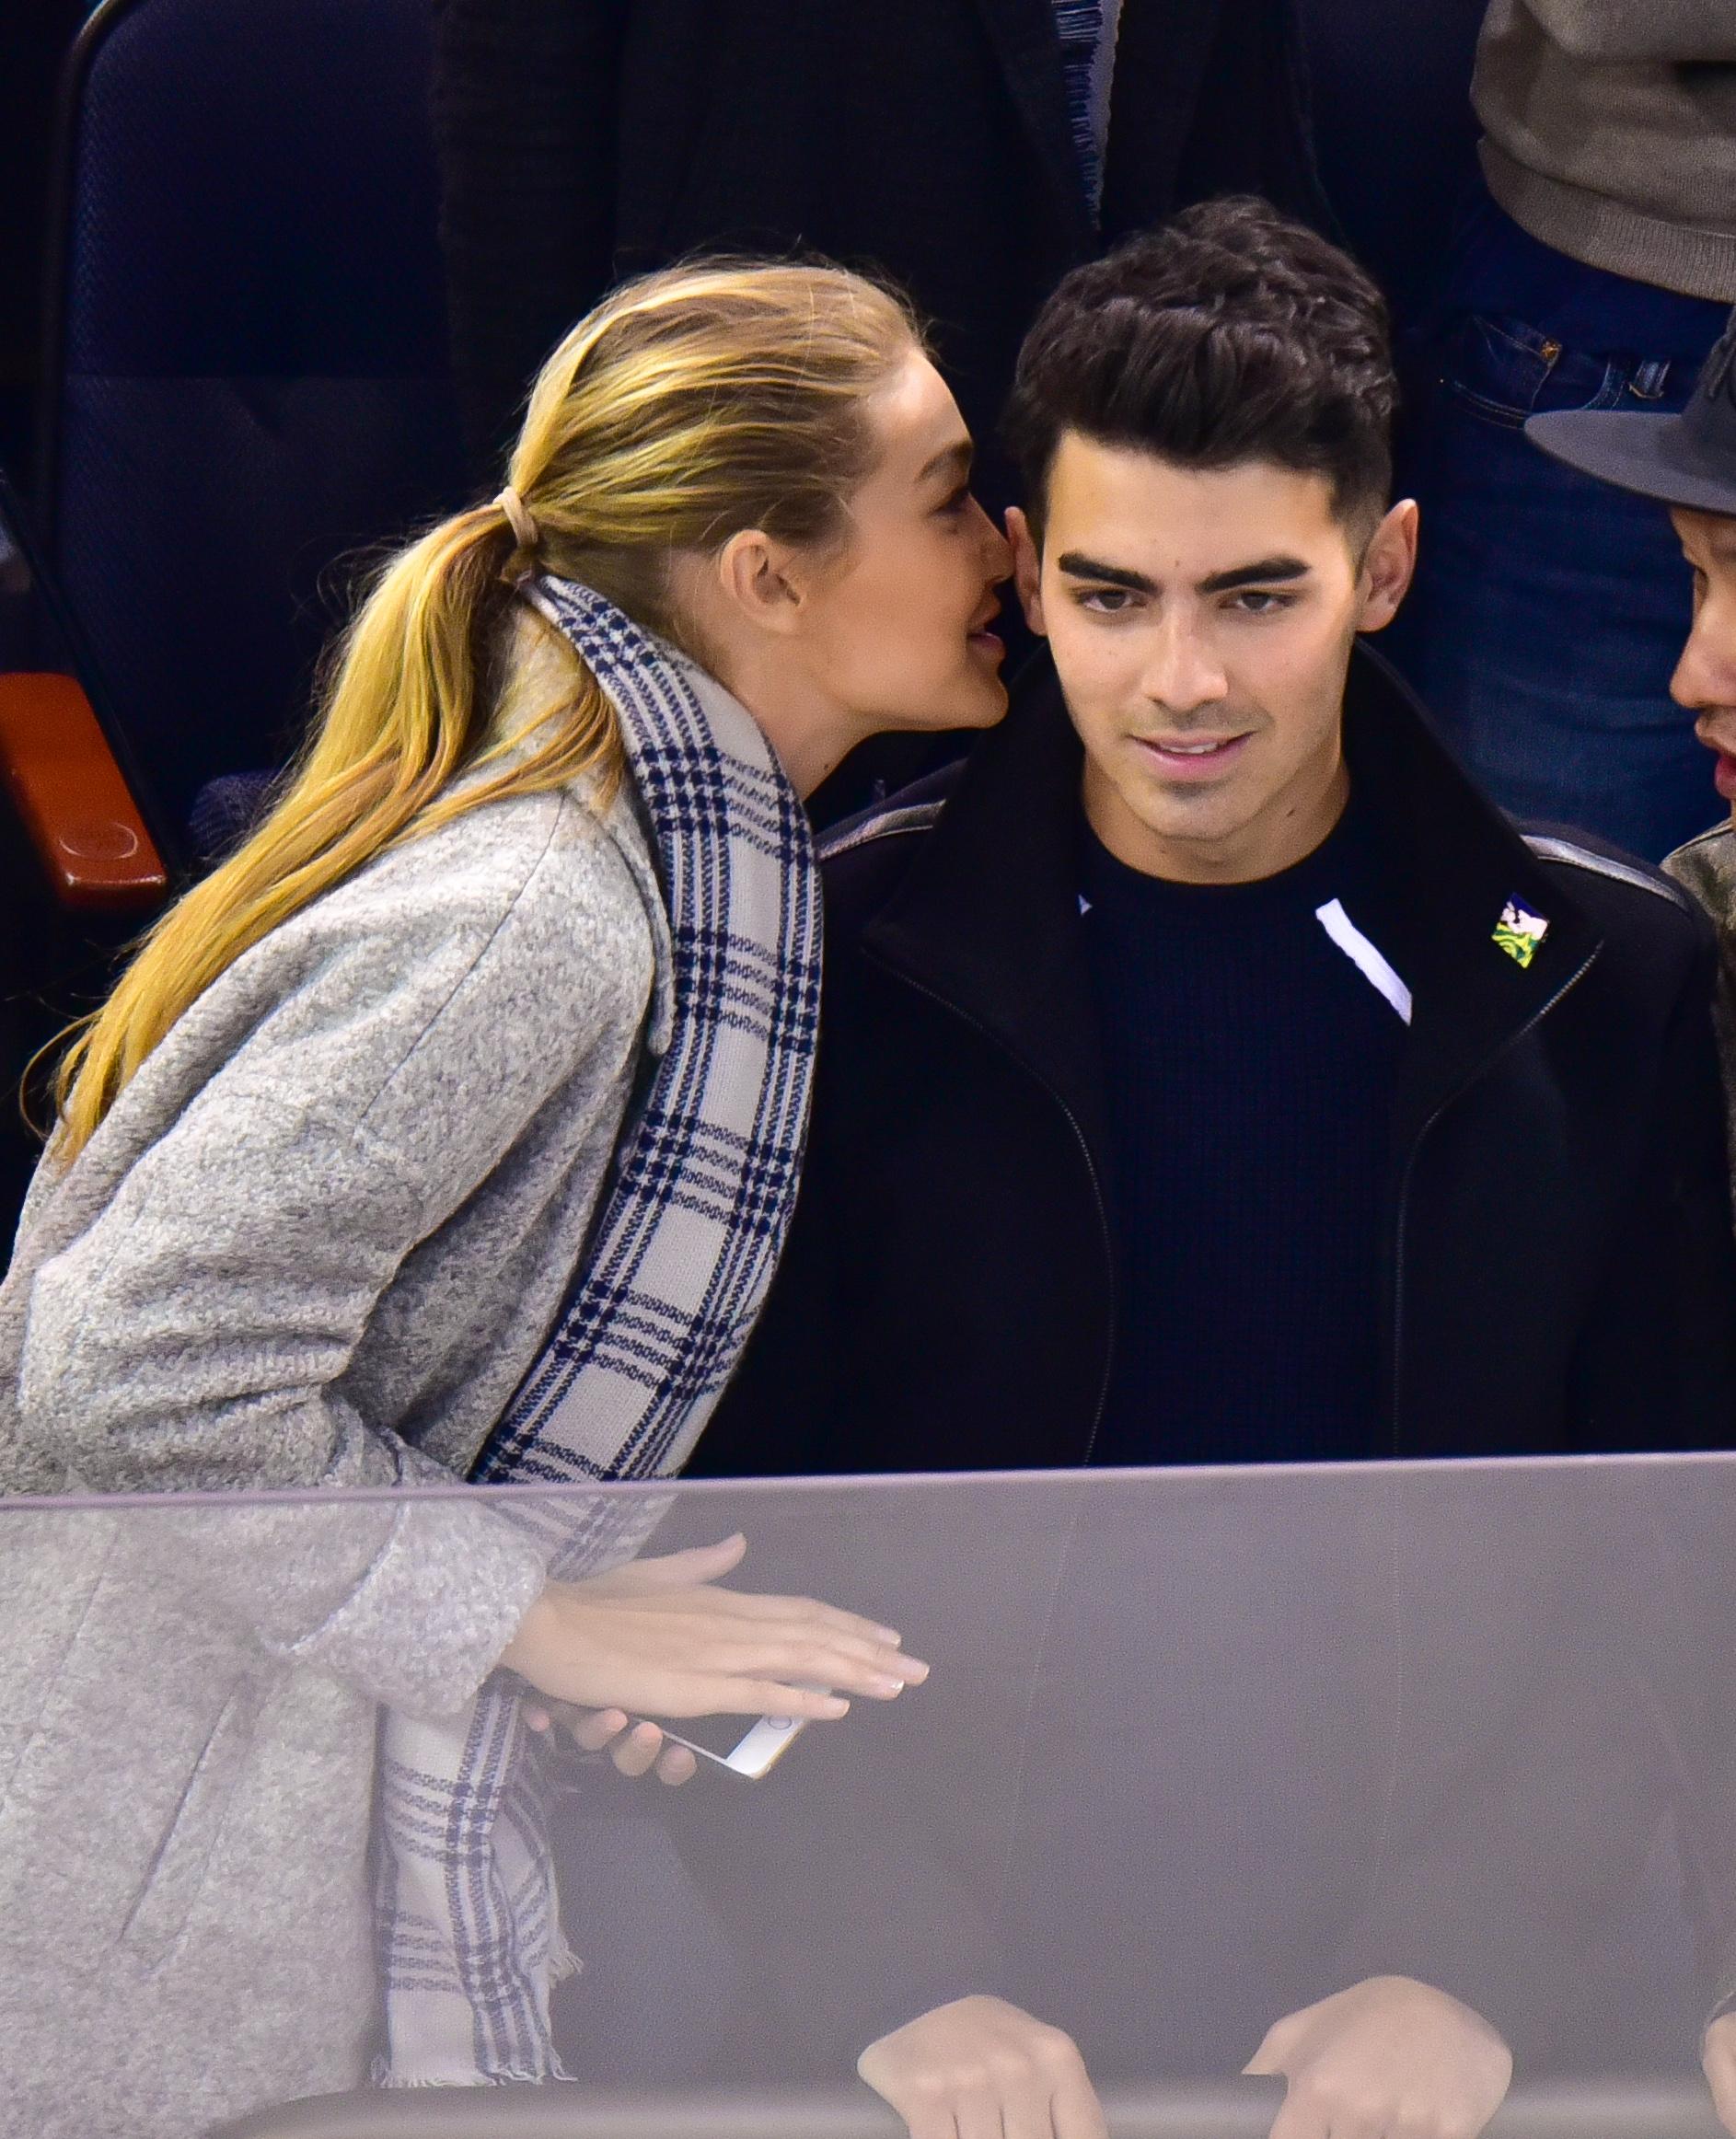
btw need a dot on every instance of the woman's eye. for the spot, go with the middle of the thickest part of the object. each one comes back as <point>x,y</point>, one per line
<point>959,502</point>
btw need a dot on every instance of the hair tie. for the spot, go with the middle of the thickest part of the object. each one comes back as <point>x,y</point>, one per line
<point>519,518</point>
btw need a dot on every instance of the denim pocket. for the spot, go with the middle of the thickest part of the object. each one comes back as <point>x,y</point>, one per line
<point>1504,370</point>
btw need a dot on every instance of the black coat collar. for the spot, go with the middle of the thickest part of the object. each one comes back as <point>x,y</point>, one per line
<point>986,917</point>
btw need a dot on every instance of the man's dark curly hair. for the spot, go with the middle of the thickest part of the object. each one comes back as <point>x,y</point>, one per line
<point>1229,334</point>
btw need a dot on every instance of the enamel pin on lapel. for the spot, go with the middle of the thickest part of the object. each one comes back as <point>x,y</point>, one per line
<point>1519,932</point>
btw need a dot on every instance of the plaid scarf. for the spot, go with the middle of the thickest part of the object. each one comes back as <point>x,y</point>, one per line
<point>675,1274</point>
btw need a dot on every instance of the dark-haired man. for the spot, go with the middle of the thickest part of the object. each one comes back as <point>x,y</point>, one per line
<point>1211,1075</point>
<point>1209,1072</point>
<point>1687,463</point>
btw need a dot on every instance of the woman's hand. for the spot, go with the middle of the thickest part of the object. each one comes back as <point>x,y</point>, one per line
<point>1385,2059</point>
<point>658,1638</point>
<point>980,2068</point>
<point>635,1748</point>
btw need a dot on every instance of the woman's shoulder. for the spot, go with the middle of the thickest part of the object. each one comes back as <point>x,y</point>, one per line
<point>503,947</point>
<point>545,884</point>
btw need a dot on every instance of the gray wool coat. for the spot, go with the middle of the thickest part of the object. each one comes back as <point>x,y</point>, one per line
<point>317,1243</point>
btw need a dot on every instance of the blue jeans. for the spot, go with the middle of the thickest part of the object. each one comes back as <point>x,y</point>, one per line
<point>1549,609</point>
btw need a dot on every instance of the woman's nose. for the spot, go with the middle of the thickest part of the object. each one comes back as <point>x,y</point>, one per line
<point>997,550</point>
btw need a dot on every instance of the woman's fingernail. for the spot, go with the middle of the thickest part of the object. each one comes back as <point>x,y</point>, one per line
<point>889,1635</point>
<point>834,1707</point>
<point>886,1687</point>
<point>915,1673</point>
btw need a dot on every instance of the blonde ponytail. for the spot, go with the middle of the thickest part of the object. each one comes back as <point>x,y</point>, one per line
<point>688,406</point>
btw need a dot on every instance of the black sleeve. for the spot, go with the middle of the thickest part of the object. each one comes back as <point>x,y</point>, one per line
<point>1655,1367</point>
<point>771,1420</point>
<point>526,97</point>
<point>1251,129</point>
<point>1560,1716</point>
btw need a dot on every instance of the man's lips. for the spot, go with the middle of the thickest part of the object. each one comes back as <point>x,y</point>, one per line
<point>1193,757</point>
<point>1722,742</point>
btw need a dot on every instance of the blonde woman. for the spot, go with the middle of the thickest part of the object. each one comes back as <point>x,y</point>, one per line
<point>345,1191</point>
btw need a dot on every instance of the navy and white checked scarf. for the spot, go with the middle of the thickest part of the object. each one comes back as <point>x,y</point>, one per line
<point>676,1270</point>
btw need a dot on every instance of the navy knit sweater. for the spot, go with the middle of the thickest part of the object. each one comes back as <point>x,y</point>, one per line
<point>1250,1068</point>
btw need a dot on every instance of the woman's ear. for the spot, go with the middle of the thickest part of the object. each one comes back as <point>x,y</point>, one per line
<point>1388,564</point>
<point>1028,569</point>
<point>762,581</point>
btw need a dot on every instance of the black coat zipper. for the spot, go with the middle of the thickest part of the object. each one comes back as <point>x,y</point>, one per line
<point>1043,1084</point>
<point>1452,1099</point>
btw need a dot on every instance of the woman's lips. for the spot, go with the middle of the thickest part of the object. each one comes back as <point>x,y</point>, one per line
<point>986,642</point>
<point>1724,775</point>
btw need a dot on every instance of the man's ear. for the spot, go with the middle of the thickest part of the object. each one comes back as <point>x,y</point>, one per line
<point>761,580</point>
<point>1027,569</point>
<point>1388,565</point>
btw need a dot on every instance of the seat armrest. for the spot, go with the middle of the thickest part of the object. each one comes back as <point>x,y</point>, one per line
<point>73,798</point>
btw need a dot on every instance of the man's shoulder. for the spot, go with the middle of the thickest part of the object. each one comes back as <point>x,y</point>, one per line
<point>1706,866</point>
<point>866,857</point>
<point>1629,900</point>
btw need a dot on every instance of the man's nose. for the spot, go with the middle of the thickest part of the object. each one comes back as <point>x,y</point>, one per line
<point>1184,671</point>
<point>1706,675</point>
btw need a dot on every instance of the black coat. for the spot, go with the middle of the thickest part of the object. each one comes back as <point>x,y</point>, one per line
<point>582,139</point>
<point>1558,1273</point>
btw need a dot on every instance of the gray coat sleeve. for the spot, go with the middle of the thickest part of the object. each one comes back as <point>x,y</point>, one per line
<point>1665,30</point>
<point>196,1336</point>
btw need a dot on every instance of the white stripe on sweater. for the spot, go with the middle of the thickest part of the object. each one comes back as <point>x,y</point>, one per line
<point>1363,955</point>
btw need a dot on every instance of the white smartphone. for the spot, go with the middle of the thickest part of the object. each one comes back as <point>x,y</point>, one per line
<point>753,1753</point>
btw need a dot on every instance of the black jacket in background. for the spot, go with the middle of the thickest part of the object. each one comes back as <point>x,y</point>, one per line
<point>581,140</point>
<point>1558,1273</point>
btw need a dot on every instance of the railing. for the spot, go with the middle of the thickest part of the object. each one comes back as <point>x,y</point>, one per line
<point>1237,2109</point>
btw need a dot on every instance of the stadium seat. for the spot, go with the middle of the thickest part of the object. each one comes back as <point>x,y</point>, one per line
<point>248,373</point>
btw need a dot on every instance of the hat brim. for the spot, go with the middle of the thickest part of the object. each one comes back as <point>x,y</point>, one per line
<point>1645,453</point>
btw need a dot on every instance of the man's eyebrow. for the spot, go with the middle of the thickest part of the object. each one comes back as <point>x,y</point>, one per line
<point>953,460</point>
<point>1077,565</point>
<point>1264,573</point>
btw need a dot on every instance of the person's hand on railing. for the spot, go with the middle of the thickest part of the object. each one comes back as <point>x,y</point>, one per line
<point>1386,2059</point>
<point>1717,2060</point>
<point>659,1637</point>
<point>980,2068</point>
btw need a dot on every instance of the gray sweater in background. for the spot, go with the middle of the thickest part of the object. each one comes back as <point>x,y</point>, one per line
<point>1611,133</point>
<point>318,1241</point>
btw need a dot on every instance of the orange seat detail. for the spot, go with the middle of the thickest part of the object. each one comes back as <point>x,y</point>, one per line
<point>74,802</point>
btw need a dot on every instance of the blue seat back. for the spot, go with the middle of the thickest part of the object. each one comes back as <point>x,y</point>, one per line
<point>249,376</point>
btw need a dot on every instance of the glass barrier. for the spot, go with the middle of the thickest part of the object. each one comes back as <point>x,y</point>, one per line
<point>1386,1772</point>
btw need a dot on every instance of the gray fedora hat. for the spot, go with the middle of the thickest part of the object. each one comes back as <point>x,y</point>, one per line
<point>1688,459</point>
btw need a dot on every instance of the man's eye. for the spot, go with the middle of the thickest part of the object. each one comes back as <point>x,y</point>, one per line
<point>1107,601</point>
<point>1258,602</point>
